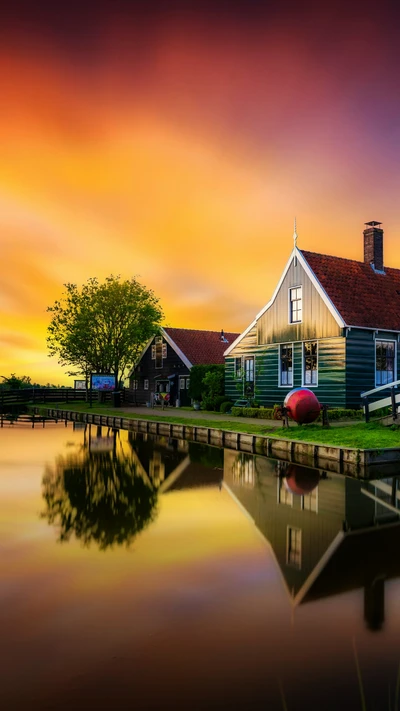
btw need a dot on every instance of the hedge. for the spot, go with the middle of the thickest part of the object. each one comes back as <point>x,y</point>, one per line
<point>267,413</point>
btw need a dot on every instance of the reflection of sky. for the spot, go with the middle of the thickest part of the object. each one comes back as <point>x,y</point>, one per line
<point>129,141</point>
<point>196,603</point>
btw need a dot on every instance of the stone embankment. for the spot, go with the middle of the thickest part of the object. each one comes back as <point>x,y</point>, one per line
<point>344,460</point>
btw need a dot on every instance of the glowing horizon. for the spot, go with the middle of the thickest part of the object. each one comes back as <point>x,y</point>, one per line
<point>180,152</point>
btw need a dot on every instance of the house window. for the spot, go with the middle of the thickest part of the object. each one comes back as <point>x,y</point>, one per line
<point>134,384</point>
<point>385,362</point>
<point>293,547</point>
<point>181,383</point>
<point>286,365</point>
<point>243,470</point>
<point>249,376</point>
<point>295,305</point>
<point>146,384</point>
<point>284,495</point>
<point>159,352</point>
<point>310,363</point>
<point>187,383</point>
<point>310,501</point>
<point>238,368</point>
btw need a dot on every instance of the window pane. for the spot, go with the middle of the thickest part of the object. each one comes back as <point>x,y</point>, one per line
<point>385,362</point>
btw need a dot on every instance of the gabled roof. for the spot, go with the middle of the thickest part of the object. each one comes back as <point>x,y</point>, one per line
<point>355,294</point>
<point>200,347</point>
<point>194,347</point>
<point>362,296</point>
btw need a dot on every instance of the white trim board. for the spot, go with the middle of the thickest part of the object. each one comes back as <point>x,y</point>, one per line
<point>296,253</point>
<point>170,342</point>
<point>177,350</point>
<point>149,342</point>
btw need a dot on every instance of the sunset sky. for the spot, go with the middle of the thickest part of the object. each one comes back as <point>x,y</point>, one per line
<point>177,144</point>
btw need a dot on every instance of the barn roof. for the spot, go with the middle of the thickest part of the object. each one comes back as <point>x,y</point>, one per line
<point>201,347</point>
<point>363,297</point>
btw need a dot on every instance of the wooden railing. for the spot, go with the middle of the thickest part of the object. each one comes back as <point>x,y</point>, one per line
<point>393,399</point>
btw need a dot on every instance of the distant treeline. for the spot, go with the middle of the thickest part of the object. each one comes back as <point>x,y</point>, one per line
<point>14,382</point>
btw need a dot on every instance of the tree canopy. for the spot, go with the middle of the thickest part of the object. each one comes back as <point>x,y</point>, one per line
<point>102,327</point>
<point>99,498</point>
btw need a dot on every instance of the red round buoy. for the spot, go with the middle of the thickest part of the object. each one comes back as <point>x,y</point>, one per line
<point>302,405</point>
<point>301,480</point>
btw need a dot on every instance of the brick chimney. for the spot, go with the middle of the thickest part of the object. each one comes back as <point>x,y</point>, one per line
<point>373,245</point>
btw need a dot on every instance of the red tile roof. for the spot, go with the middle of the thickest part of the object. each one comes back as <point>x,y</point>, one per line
<point>362,296</point>
<point>201,347</point>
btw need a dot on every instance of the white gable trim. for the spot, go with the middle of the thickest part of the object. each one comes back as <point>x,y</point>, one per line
<point>321,291</point>
<point>141,356</point>
<point>176,349</point>
<point>173,345</point>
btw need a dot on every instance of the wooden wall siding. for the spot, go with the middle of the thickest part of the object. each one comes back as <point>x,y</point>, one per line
<point>318,322</point>
<point>360,363</point>
<point>273,518</point>
<point>171,364</point>
<point>360,509</point>
<point>331,388</point>
<point>247,345</point>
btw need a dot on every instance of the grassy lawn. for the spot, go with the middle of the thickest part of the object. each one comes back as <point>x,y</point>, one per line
<point>357,434</point>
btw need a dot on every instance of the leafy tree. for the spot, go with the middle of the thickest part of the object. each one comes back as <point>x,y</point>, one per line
<point>13,382</point>
<point>102,327</point>
<point>99,498</point>
<point>197,386</point>
<point>214,383</point>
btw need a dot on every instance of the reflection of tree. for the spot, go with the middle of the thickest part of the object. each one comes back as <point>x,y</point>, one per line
<point>102,498</point>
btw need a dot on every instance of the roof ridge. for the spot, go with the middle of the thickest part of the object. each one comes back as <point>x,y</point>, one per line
<point>332,256</point>
<point>197,330</point>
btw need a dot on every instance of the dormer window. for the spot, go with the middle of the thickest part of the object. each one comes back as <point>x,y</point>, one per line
<point>295,304</point>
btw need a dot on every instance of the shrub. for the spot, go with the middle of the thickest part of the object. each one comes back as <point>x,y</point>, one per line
<point>208,403</point>
<point>226,406</point>
<point>198,389</point>
<point>269,413</point>
<point>219,400</point>
<point>338,413</point>
<point>237,411</point>
<point>277,412</point>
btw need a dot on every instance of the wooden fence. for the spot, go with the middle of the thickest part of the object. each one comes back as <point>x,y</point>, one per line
<point>42,396</point>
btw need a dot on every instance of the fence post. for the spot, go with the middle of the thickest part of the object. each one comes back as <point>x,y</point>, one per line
<point>394,403</point>
<point>325,419</point>
<point>366,406</point>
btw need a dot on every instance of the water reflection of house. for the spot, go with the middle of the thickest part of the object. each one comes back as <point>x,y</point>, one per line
<point>174,464</point>
<point>322,527</point>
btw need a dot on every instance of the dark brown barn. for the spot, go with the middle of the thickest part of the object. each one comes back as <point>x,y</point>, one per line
<point>165,363</point>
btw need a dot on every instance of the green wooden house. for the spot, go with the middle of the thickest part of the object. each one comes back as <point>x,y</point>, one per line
<point>332,325</point>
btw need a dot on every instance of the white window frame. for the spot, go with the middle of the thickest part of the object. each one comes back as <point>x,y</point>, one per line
<point>290,289</point>
<point>244,358</point>
<point>316,500</point>
<point>288,494</point>
<point>387,340</point>
<point>303,384</point>
<point>297,566</point>
<point>159,342</point>
<point>146,384</point>
<point>240,376</point>
<point>182,382</point>
<point>135,385</point>
<point>280,366</point>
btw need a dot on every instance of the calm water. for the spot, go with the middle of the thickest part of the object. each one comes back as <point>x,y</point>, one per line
<point>147,573</point>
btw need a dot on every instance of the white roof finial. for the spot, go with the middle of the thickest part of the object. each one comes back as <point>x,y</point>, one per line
<point>295,234</point>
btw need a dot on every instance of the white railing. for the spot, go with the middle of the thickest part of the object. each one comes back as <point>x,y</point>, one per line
<point>381,387</point>
<point>393,399</point>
